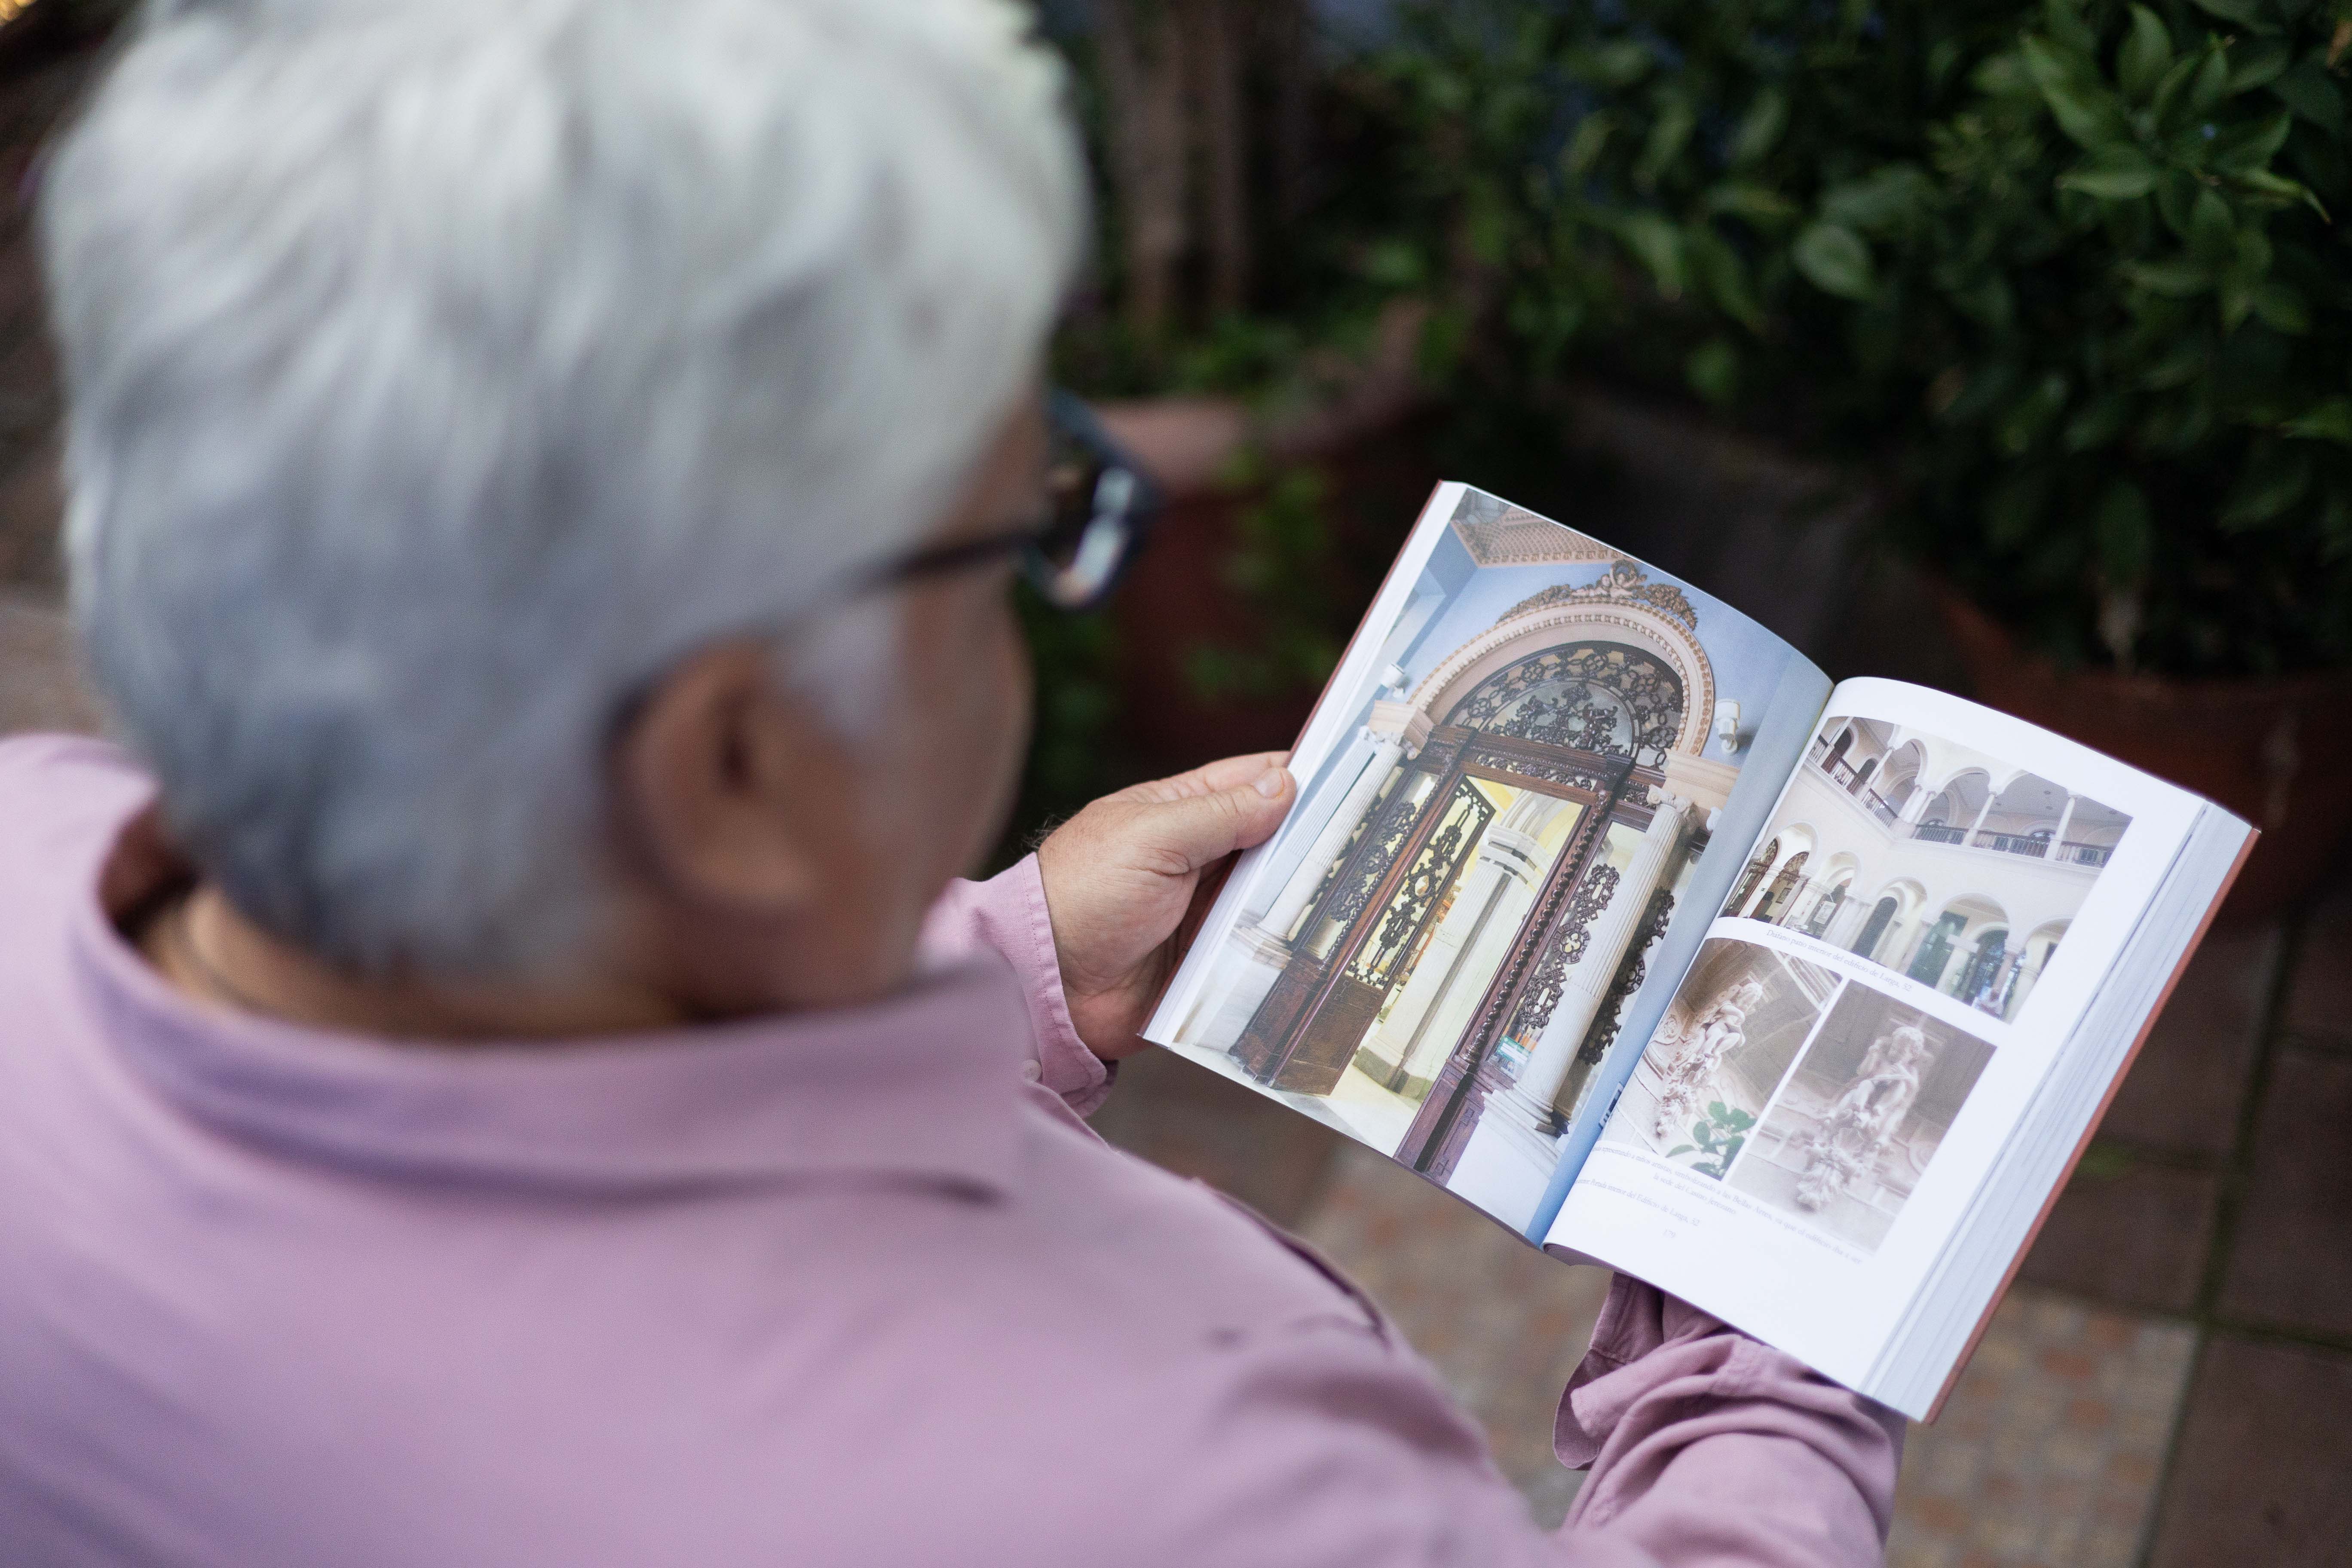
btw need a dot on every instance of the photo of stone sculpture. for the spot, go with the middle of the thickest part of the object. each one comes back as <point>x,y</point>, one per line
<point>1724,1046</point>
<point>1433,953</point>
<point>1943,864</point>
<point>1854,1130</point>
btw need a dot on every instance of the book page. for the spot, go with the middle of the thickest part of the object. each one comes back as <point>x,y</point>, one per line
<point>1508,791</point>
<point>1938,896</point>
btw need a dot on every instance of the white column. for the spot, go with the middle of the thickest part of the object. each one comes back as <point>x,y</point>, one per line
<point>2065,820</point>
<point>1313,806</point>
<point>1983,811</point>
<point>1387,751</point>
<point>1526,1105</point>
<point>1244,973</point>
<point>1440,962</point>
<point>1915,936</point>
<point>1756,895</point>
<point>1849,920</point>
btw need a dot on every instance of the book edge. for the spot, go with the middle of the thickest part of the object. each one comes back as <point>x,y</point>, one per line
<point>2091,1129</point>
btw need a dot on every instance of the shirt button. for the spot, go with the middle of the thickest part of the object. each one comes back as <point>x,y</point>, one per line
<point>1032,1071</point>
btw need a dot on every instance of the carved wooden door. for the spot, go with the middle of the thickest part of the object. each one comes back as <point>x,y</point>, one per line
<point>1528,983</point>
<point>1378,959</point>
<point>1574,721</point>
<point>1395,832</point>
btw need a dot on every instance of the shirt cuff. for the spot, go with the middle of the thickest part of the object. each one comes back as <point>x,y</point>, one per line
<point>1662,1377</point>
<point>1007,915</point>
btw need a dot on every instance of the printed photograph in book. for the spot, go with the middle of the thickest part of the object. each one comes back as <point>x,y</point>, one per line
<point>1955,868</point>
<point>1433,953</point>
<point>1729,1037</point>
<point>1857,1122</point>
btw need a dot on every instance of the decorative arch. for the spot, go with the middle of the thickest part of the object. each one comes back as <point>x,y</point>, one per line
<point>1796,838</point>
<point>1885,911</point>
<point>1622,608</point>
<point>1987,960</point>
<point>1833,888</point>
<point>1752,878</point>
<point>1899,776</point>
<point>2024,776</point>
<point>1793,840</point>
<point>1945,789</point>
<point>1782,889</point>
<point>2033,956</point>
<point>1906,893</point>
<point>1600,697</point>
<point>1977,910</point>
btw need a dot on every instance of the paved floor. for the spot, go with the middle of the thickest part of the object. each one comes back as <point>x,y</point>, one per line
<point>2170,1384</point>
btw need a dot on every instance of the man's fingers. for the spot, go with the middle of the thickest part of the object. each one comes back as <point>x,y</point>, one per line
<point>1231,773</point>
<point>1210,778</point>
<point>1197,829</point>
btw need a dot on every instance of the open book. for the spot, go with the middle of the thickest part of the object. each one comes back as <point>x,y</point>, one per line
<point>1603,909</point>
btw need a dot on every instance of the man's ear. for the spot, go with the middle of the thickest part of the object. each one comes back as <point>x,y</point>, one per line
<point>706,778</point>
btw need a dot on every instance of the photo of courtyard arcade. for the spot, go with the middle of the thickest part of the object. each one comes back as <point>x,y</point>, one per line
<point>1937,862</point>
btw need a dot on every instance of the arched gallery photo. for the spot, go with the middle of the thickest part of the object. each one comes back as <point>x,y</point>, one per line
<point>1434,953</point>
<point>1948,866</point>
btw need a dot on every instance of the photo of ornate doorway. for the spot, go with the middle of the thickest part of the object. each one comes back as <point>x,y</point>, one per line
<point>1433,953</point>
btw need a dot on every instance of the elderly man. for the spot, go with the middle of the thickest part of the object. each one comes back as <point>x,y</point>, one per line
<point>497,1071</point>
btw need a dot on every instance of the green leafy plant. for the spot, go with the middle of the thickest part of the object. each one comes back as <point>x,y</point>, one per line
<point>2141,445</point>
<point>2067,278</point>
<point>1674,189</point>
<point>1228,260</point>
<point>1719,1138</point>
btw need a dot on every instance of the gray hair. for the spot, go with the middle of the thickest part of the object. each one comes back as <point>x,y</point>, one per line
<point>440,370</point>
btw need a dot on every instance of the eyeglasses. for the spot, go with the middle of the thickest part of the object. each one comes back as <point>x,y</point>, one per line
<point>1101,508</point>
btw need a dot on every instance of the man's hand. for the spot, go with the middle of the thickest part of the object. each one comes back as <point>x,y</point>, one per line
<point>1122,876</point>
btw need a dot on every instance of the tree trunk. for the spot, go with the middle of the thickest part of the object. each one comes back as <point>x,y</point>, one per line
<point>1288,50</point>
<point>1143,47</point>
<point>1224,134</point>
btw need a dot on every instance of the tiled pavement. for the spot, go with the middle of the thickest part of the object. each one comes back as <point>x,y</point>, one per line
<point>2050,1448</point>
<point>2125,1407</point>
<point>2170,1384</point>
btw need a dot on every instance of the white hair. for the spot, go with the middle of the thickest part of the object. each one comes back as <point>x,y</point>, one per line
<point>440,370</point>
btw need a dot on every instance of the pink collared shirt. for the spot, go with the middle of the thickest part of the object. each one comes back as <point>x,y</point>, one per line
<point>856,1289</point>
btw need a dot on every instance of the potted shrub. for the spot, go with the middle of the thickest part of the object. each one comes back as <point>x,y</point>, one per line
<point>2064,282</point>
<point>1233,339</point>
<point>2139,459</point>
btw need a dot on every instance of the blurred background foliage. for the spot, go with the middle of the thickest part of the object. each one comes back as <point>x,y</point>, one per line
<point>2065,283</point>
<point>2064,286</point>
<point>2068,275</point>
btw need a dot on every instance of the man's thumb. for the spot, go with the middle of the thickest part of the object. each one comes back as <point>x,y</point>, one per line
<point>1204,828</point>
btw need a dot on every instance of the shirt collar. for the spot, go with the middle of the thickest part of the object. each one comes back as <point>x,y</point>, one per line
<point>922,1086</point>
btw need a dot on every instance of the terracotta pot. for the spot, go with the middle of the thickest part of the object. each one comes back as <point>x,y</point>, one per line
<point>1177,599</point>
<point>2276,753</point>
